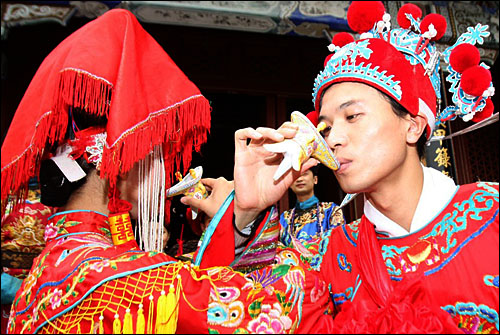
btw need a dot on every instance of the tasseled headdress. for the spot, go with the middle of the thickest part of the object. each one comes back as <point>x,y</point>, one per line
<point>110,67</point>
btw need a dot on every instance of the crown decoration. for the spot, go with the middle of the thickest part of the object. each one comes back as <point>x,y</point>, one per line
<point>190,186</point>
<point>471,82</point>
<point>415,85</point>
<point>340,68</point>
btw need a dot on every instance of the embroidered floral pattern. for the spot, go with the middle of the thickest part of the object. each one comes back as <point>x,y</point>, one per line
<point>55,299</point>
<point>490,280</point>
<point>318,290</point>
<point>96,148</point>
<point>32,279</point>
<point>474,319</point>
<point>75,256</point>
<point>270,321</point>
<point>98,266</point>
<point>35,313</point>
<point>258,281</point>
<point>225,309</point>
<point>50,231</point>
<point>322,248</point>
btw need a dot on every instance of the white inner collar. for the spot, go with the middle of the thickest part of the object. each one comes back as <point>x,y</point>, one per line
<point>437,191</point>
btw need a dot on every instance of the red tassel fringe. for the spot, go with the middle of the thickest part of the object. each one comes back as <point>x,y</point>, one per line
<point>76,88</point>
<point>181,128</point>
<point>178,142</point>
<point>81,89</point>
<point>50,129</point>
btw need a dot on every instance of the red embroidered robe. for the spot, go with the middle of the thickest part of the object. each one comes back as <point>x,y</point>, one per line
<point>82,283</point>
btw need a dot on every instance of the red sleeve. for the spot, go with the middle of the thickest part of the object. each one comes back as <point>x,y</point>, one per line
<point>220,248</point>
<point>218,245</point>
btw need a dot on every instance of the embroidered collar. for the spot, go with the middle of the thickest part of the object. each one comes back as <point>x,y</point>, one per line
<point>76,222</point>
<point>437,191</point>
<point>312,201</point>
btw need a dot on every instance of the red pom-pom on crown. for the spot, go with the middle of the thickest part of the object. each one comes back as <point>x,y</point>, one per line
<point>362,15</point>
<point>485,113</point>
<point>439,23</point>
<point>475,80</point>
<point>327,59</point>
<point>341,39</point>
<point>313,117</point>
<point>464,56</point>
<point>409,8</point>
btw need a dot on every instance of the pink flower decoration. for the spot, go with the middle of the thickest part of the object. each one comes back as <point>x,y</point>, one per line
<point>55,300</point>
<point>50,232</point>
<point>318,290</point>
<point>270,321</point>
<point>35,313</point>
<point>99,266</point>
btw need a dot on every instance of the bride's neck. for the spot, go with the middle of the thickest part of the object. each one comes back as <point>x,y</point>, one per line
<point>90,196</point>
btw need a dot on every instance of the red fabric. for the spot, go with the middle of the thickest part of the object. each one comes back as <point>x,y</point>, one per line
<point>196,223</point>
<point>485,113</point>
<point>111,66</point>
<point>115,204</point>
<point>408,8</point>
<point>313,117</point>
<point>454,262</point>
<point>83,139</point>
<point>180,242</point>
<point>475,80</point>
<point>437,269</point>
<point>463,56</point>
<point>81,229</point>
<point>362,15</point>
<point>403,313</point>
<point>341,39</point>
<point>220,251</point>
<point>327,58</point>
<point>403,310</point>
<point>89,277</point>
<point>371,264</point>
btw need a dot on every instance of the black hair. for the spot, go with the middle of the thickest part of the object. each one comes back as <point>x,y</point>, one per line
<point>400,111</point>
<point>314,170</point>
<point>55,188</point>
